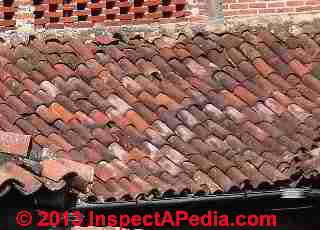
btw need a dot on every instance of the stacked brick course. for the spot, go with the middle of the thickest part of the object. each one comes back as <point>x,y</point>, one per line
<point>83,13</point>
<point>258,7</point>
<point>7,12</point>
<point>87,13</point>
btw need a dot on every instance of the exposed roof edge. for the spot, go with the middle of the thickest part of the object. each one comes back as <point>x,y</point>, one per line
<point>279,24</point>
<point>288,193</point>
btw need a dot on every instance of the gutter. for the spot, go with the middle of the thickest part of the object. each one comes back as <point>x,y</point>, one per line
<point>301,194</point>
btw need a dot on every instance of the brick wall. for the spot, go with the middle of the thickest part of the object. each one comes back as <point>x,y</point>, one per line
<point>258,7</point>
<point>87,13</point>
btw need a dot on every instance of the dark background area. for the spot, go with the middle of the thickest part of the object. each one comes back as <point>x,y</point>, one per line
<point>292,214</point>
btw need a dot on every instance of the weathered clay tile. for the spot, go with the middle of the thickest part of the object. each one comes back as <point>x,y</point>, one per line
<point>14,143</point>
<point>249,51</point>
<point>179,68</point>
<point>236,56</point>
<point>209,114</point>
<point>19,106</point>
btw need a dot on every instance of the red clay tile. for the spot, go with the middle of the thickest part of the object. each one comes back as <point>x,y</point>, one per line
<point>19,106</point>
<point>263,67</point>
<point>249,51</point>
<point>275,106</point>
<point>27,127</point>
<point>231,100</point>
<point>299,68</point>
<point>14,86</point>
<point>60,141</point>
<point>81,49</point>
<point>13,143</point>
<point>114,52</point>
<point>58,169</point>
<point>164,128</point>
<point>60,112</point>
<point>245,95</point>
<point>179,68</point>
<point>248,70</point>
<point>236,56</point>
<point>29,183</point>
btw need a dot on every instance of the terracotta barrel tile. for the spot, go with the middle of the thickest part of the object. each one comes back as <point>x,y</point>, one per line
<point>184,133</point>
<point>137,120</point>
<point>224,181</point>
<point>220,146</point>
<point>227,81</point>
<point>196,69</point>
<point>31,100</point>
<point>60,141</point>
<point>249,51</point>
<point>61,112</point>
<point>298,112</point>
<point>116,150</point>
<point>74,138</point>
<point>136,154</point>
<point>9,113</point>
<point>253,143</point>
<point>27,127</point>
<point>202,179</point>
<point>155,138</point>
<point>119,104</point>
<point>232,100</point>
<point>245,95</point>
<point>311,82</point>
<point>14,86</point>
<point>200,85</point>
<point>263,67</point>
<point>13,143</point>
<point>213,112</point>
<point>89,155</point>
<point>235,115</point>
<point>180,68</point>
<point>187,118</point>
<point>132,86</point>
<point>29,183</point>
<point>247,69</point>
<point>275,106</point>
<point>44,97</point>
<point>257,179</point>
<point>264,113</point>
<point>15,103</point>
<point>172,91</point>
<point>299,68</point>
<point>236,56</point>
<point>238,177</point>
<point>274,175</point>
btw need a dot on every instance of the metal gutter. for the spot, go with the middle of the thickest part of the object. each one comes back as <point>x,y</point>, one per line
<point>291,193</point>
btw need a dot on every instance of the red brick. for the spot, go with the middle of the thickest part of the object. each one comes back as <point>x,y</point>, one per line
<point>239,6</point>
<point>295,3</point>
<point>266,11</point>
<point>258,5</point>
<point>252,11</point>
<point>307,8</point>
<point>285,10</point>
<point>228,13</point>
<point>246,0</point>
<point>275,4</point>
<point>312,2</point>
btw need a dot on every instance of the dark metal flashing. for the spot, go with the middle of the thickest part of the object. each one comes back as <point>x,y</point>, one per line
<point>284,194</point>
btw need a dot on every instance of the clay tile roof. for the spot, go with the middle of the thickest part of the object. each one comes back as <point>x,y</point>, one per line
<point>215,113</point>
